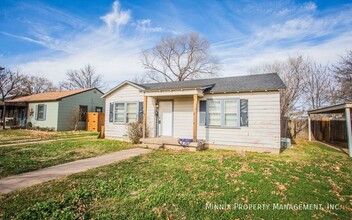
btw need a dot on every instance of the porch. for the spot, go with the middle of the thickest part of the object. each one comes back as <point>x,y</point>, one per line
<point>172,115</point>
<point>15,115</point>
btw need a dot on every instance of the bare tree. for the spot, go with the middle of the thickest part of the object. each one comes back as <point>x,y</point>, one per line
<point>76,116</point>
<point>9,86</point>
<point>343,75</point>
<point>83,78</point>
<point>179,58</point>
<point>37,84</point>
<point>318,85</point>
<point>292,72</point>
<point>140,79</point>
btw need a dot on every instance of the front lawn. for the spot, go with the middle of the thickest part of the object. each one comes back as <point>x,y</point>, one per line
<point>180,185</point>
<point>23,135</point>
<point>24,158</point>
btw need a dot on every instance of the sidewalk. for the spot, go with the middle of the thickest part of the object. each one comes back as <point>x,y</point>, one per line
<point>11,183</point>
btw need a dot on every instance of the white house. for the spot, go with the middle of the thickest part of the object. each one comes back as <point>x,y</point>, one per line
<point>241,112</point>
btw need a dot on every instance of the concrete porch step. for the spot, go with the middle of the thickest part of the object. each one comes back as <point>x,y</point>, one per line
<point>165,141</point>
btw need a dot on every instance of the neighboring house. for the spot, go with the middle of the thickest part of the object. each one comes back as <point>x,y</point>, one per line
<point>57,109</point>
<point>242,111</point>
<point>15,113</point>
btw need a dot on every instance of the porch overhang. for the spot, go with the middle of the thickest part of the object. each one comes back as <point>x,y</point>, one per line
<point>340,108</point>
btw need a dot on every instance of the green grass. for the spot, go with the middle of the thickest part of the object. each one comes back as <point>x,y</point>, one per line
<point>23,135</point>
<point>178,185</point>
<point>24,158</point>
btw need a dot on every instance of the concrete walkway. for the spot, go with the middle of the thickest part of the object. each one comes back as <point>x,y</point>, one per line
<point>11,183</point>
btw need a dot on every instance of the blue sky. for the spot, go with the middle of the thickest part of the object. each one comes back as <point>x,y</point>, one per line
<point>50,37</point>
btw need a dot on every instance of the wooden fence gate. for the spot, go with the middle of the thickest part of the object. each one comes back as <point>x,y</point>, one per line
<point>95,120</point>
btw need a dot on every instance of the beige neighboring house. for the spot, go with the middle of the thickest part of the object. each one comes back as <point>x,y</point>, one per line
<point>55,109</point>
<point>241,112</point>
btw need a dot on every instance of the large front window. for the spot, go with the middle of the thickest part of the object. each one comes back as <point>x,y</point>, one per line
<point>126,112</point>
<point>223,112</point>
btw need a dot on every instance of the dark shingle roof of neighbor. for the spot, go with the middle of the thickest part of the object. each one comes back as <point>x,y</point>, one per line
<point>260,82</point>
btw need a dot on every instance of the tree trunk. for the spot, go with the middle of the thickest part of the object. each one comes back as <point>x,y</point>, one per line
<point>3,115</point>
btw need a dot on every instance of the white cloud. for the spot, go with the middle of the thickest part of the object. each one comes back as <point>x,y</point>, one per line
<point>112,53</point>
<point>116,17</point>
<point>310,6</point>
<point>145,25</point>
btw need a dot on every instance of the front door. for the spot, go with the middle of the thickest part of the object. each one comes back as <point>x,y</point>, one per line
<point>165,118</point>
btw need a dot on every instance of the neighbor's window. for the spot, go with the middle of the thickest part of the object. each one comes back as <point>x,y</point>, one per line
<point>230,113</point>
<point>99,109</point>
<point>41,112</point>
<point>214,111</point>
<point>119,112</point>
<point>131,112</point>
<point>83,109</point>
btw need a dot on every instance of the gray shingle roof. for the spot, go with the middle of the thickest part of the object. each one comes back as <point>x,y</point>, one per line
<point>261,82</point>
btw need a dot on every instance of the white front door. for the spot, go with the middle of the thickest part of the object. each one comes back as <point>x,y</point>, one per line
<point>165,118</point>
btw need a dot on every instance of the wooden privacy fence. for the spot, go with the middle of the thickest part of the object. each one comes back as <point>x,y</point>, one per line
<point>329,130</point>
<point>325,129</point>
<point>95,120</point>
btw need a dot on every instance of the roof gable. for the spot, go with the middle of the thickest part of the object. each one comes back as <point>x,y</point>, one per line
<point>137,86</point>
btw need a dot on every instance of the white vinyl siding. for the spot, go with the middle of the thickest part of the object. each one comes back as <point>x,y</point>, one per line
<point>125,94</point>
<point>263,129</point>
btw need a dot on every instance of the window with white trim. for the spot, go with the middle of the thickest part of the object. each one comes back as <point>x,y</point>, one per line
<point>41,112</point>
<point>223,113</point>
<point>125,112</point>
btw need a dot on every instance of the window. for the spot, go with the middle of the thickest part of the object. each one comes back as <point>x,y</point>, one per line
<point>119,112</point>
<point>41,112</point>
<point>83,109</point>
<point>202,112</point>
<point>126,112</point>
<point>99,109</point>
<point>131,112</point>
<point>230,113</point>
<point>214,111</point>
<point>223,113</point>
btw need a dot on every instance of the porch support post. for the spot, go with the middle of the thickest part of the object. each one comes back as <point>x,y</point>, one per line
<point>348,125</point>
<point>309,129</point>
<point>145,104</point>
<point>195,117</point>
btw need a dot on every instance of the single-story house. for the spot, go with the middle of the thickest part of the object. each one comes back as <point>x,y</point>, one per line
<point>241,112</point>
<point>15,112</point>
<point>56,110</point>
